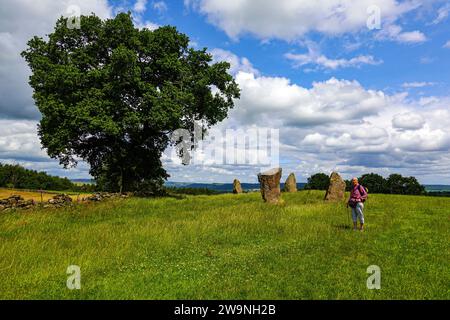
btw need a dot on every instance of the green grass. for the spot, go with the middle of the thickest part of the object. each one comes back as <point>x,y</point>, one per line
<point>228,247</point>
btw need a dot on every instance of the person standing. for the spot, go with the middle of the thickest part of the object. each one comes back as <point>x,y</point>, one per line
<point>356,201</point>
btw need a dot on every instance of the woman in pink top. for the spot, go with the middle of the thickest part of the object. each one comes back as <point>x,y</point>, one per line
<point>357,198</point>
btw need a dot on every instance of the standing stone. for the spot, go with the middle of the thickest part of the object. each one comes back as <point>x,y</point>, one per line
<point>291,183</point>
<point>237,186</point>
<point>336,190</point>
<point>270,185</point>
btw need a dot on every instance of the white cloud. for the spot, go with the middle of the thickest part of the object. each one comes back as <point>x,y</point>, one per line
<point>19,140</point>
<point>423,140</point>
<point>236,63</point>
<point>160,6</point>
<point>140,6</point>
<point>138,11</point>
<point>408,121</point>
<point>145,24</point>
<point>395,33</point>
<point>426,60</point>
<point>289,20</point>
<point>314,57</point>
<point>442,14</point>
<point>417,84</point>
<point>326,102</point>
<point>447,44</point>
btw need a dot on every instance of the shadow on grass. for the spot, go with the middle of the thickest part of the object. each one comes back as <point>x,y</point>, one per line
<point>343,227</point>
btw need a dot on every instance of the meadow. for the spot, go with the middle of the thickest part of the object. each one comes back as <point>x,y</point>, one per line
<point>228,247</point>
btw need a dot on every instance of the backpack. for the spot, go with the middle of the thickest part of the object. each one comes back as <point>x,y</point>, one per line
<point>366,191</point>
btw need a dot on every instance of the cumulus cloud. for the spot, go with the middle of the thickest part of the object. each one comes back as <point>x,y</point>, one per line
<point>423,140</point>
<point>288,20</point>
<point>408,121</point>
<point>19,144</point>
<point>329,101</point>
<point>236,63</point>
<point>19,141</point>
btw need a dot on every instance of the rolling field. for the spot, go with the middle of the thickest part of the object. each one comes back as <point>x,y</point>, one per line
<point>33,195</point>
<point>228,247</point>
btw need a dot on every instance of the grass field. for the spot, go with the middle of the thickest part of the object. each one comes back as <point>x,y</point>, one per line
<point>228,247</point>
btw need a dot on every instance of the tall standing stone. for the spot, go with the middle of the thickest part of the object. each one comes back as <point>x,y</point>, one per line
<point>237,188</point>
<point>336,190</point>
<point>270,185</point>
<point>291,183</point>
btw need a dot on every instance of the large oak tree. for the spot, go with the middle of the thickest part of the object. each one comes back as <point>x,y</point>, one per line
<point>111,94</point>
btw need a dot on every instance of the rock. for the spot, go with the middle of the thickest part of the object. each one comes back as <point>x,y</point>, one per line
<point>100,196</point>
<point>336,190</point>
<point>291,183</point>
<point>15,197</point>
<point>237,186</point>
<point>95,197</point>
<point>59,200</point>
<point>14,202</point>
<point>270,185</point>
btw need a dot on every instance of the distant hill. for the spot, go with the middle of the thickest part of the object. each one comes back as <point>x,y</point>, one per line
<point>437,188</point>
<point>222,187</point>
<point>228,187</point>
<point>83,181</point>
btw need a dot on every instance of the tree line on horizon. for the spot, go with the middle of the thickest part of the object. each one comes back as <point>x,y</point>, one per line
<point>375,183</point>
<point>15,176</point>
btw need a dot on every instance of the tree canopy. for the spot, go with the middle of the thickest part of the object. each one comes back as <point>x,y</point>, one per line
<point>15,176</point>
<point>394,184</point>
<point>111,94</point>
<point>374,182</point>
<point>318,181</point>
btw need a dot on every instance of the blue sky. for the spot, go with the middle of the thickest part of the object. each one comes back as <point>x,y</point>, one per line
<point>343,96</point>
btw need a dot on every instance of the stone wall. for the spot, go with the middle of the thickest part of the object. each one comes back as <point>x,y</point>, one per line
<point>15,202</point>
<point>58,201</point>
